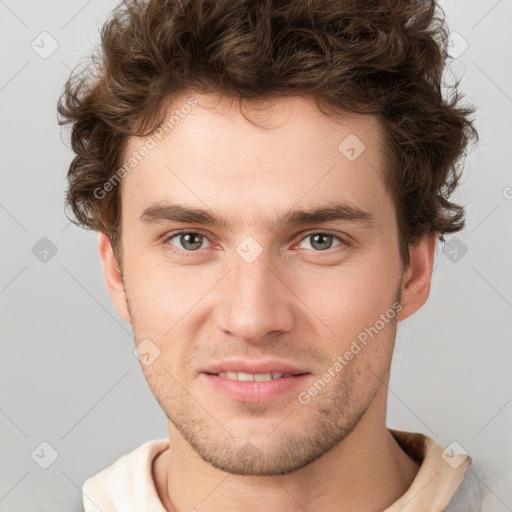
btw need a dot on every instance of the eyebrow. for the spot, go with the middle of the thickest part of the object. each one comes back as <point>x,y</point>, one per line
<point>329,213</point>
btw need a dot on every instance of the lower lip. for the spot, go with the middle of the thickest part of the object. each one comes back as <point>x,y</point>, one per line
<point>255,391</point>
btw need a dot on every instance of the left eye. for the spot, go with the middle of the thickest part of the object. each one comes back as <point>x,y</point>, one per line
<point>321,241</point>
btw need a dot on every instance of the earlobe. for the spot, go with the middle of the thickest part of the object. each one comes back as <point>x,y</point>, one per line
<point>113,280</point>
<point>417,277</point>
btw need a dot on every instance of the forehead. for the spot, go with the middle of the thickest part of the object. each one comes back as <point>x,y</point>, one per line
<point>269,155</point>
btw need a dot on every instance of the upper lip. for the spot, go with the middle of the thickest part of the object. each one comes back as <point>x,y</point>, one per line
<point>247,366</point>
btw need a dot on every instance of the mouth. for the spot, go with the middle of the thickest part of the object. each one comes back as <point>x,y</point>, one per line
<point>254,377</point>
<point>254,387</point>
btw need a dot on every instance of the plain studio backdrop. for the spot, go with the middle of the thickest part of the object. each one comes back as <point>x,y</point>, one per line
<point>73,397</point>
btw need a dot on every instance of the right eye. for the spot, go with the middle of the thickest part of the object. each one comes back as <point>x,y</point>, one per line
<point>190,241</point>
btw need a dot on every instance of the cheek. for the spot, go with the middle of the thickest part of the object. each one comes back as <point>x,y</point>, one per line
<point>350,297</point>
<point>161,296</point>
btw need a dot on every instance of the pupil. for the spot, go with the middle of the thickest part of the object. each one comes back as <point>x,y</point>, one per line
<point>325,245</point>
<point>185,240</point>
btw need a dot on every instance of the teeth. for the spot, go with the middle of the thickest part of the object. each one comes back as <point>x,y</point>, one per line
<point>242,376</point>
<point>262,376</point>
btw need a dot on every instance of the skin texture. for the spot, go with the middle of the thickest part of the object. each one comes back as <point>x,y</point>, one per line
<point>295,302</point>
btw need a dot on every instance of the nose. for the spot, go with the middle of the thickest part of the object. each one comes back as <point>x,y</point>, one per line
<point>256,301</point>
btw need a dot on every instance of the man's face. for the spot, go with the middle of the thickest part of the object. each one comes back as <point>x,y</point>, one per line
<point>257,290</point>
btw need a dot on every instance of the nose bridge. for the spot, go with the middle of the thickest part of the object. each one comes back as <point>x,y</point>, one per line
<point>256,301</point>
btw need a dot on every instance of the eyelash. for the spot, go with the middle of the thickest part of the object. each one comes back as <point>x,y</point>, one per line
<point>343,243</point>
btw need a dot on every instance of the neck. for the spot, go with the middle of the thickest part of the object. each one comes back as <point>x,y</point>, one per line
<point>366,471</point>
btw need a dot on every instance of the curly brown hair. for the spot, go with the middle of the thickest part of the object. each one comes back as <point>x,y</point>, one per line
<point>378,57</point>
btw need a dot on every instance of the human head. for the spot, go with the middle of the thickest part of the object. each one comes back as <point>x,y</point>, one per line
<point>371,70</point>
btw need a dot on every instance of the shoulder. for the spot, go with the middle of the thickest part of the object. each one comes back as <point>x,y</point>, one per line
<point>469,494</point>
<point>482,490</point>
<point>126,483</point>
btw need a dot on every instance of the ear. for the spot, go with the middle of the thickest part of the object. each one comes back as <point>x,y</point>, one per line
<point>417,277</point>
<point>112,275</point>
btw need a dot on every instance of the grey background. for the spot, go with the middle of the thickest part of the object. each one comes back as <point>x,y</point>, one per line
<point>68,373</point>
